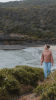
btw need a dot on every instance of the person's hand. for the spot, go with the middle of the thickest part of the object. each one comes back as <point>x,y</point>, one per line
<point>41,63</point>
<point>52,64</point>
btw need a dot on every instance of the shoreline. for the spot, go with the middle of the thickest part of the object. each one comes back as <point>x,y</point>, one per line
<point>52,47</point>
<point>20,47</point>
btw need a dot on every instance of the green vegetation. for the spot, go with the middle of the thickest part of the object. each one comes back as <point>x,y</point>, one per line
<point>18,80</point>
<point>27,3</point>
<point>47,90</point>
<point>35,22</point>
<point>22,79</point>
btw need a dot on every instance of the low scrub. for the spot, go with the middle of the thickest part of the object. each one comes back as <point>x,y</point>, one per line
<point>18,80</point>
<point>47,90</point>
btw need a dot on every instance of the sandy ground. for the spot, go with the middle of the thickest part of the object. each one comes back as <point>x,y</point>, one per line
<point>52,48</point>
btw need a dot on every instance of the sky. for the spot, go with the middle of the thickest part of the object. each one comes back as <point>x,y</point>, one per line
<point>7,0</point>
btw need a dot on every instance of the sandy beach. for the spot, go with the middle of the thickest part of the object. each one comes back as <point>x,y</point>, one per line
<point>52,47</point>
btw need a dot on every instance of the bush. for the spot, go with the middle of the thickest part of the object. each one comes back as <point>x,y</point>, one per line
<point>2,77</point>
<point>21,75</point>
<point>18,80</point>
<point>39,89</point>
<point>47,89</point>
<point>4,94</point>
<point>12,86</point>
<point>30,73</point>
<point>26,77</point>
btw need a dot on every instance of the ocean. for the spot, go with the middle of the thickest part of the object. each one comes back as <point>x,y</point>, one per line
<point>29,56</point>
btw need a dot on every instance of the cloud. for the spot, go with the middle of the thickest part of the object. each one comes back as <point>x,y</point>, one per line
<point>7,0</point>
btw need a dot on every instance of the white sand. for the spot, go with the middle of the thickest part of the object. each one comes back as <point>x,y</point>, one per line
<point>52,48</point>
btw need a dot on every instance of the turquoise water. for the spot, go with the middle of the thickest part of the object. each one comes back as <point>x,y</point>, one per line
<point>29,56</point>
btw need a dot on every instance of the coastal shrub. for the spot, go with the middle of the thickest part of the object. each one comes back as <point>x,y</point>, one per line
<point>50,94</point>
<point>12,86</point>
<point>47,92</point>
<point>18,80</point>
<point>2,77</point>
<point>7,71</point>
<point>47,89</point>
<point>38,71</point>
<point>21,75</point>
<point>39,89</point>
<point>33,78</point>
<point>4,94</point>
<point>25,77</point>
<point>24,74</point>
<point>31,74</point>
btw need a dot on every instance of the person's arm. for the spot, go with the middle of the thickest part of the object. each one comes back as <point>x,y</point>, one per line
<point>52,59</point>
<point>42,58</point>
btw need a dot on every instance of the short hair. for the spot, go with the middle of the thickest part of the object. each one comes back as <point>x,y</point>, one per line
<point>48,46</point>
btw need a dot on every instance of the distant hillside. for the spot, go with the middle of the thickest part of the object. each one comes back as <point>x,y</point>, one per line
<point>27,3</point>
<point>38,22</point>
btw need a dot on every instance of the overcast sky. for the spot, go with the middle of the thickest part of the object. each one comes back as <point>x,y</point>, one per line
<point>7,0</point>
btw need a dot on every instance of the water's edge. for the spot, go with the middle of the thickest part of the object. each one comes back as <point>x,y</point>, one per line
<point>20,47</point>
<point>29,56</point>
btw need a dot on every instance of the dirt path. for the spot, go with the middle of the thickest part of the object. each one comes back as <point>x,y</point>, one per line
<point>31,96</point>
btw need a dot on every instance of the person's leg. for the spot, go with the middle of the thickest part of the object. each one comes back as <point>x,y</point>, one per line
<point>45,69</point>
<point>49,67</point>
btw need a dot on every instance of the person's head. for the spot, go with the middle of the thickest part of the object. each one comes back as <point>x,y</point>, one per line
<point>47,46</point>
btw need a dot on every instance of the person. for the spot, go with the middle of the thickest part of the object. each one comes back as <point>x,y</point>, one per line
<point>47,60</point>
